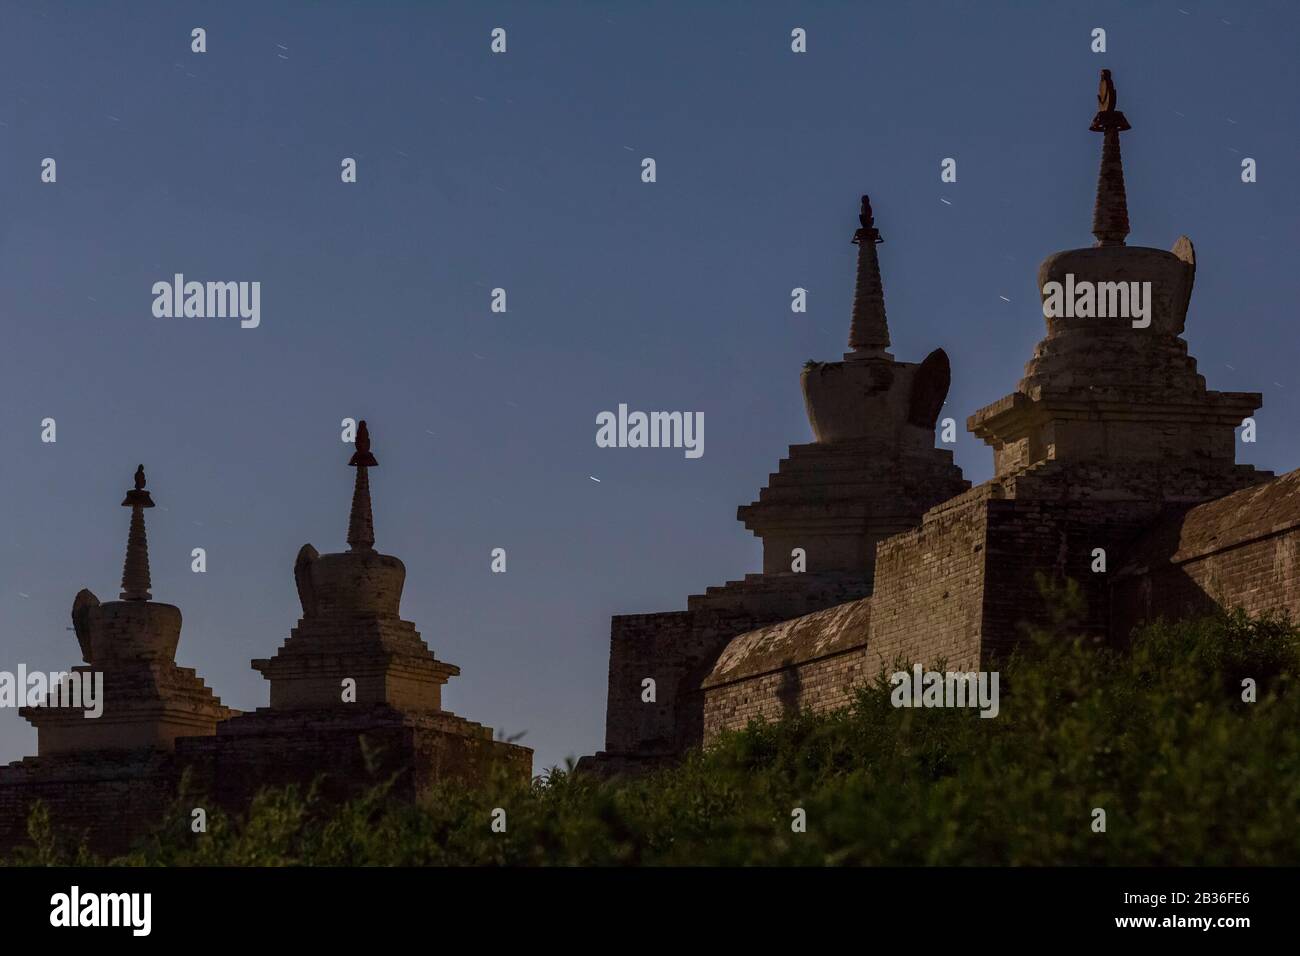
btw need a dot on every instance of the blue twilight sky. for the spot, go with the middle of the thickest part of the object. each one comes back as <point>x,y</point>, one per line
<point>523,171</point>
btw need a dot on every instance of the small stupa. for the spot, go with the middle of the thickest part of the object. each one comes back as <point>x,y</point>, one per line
<point>351,627</point>
<point>129,644</point>
<point>1117,389</point>
<point>356,694</point>
<point>873,468</point>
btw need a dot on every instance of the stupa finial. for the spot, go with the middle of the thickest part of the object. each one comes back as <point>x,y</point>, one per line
<point>135,571</point>
<point>361,522</point>
<point>869,331</point>
<point>1110,212</point>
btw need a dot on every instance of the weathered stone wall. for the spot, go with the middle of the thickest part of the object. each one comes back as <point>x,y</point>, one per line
<point>1239,551</point>
<point>111,798</point>
<point>1060,514</point>
<point>677,649</point>
<point>811,663</point>
<point>963,587</point>
<point>115,797</point>
<point>639,644</point>
<point>1033,540</point>
<point>928,601</point>
<point>814,686</point>
<point>351,749</point>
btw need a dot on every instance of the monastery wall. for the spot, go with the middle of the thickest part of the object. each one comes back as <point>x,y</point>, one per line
<point>675,649</point>
<point>678,650</point>
<point>351,750</point>
<point>1239,551</point>
<point>110,797</point>
<point>928,601</point>
<point>963,587</point>
<point>809,663</point>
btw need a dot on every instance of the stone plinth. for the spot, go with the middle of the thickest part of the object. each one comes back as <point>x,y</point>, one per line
<point>351,749</point>
<point>109,797</point>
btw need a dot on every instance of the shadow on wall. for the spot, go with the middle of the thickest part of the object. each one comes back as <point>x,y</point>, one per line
<point>1169,592</point>
<point>791,686</point>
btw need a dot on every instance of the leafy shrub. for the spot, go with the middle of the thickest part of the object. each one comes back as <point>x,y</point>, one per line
<point>1157,734</point>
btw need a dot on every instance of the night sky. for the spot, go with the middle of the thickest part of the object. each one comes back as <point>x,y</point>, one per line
<point>523,171</point>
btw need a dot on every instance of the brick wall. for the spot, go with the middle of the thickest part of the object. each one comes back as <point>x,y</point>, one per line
<point>675,649</point>
<point>963,587</point>
<point>1239,551</point>
<point>811,663</point>
<point>928,597</point>
<point>111,798</point>
<point>1057,539</point>
<point>814,686</point>
<point>678,650</point>
<point>352,748</point>
<point>117,796</point>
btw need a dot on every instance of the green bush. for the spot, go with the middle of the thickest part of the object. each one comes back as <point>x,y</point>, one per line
<point>1156,734</point>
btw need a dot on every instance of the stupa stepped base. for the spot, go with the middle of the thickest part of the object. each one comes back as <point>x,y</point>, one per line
<point>384,658</point>
<point>782,593</point>
<point>146,703</point>
<point>837,501</point>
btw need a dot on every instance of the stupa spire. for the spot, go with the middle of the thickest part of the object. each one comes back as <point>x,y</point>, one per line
<point>135,571</point>
<point>1110,212</point>
<point>361,523</point>
<point>869,332</point>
